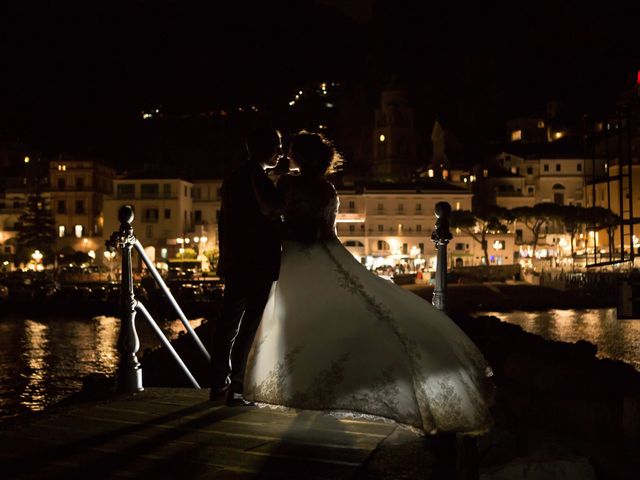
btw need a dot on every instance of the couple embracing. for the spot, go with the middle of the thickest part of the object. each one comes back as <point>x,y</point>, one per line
<point>305,325</point>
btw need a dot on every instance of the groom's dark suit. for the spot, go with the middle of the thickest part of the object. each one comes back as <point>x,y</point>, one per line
<point>250,248</point>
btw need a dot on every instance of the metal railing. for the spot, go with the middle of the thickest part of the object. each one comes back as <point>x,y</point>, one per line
<point>129,376</point>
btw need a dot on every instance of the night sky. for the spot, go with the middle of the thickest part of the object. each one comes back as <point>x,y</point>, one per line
<point>76,76</point>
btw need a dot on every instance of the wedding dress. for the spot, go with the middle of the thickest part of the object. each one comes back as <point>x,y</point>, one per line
<point>335,337</point>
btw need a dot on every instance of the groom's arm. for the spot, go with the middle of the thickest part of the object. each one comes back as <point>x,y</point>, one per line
<point>270,199</point>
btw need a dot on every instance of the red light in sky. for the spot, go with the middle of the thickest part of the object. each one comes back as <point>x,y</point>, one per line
<point>638,81</point>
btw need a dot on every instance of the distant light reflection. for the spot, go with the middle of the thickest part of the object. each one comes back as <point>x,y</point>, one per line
<point>616,339</point>
<point>43,361</point>
<point>35,349</point>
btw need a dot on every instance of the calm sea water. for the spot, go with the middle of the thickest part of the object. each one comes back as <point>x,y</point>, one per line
<point>617,339</point>
<point>44,360</point>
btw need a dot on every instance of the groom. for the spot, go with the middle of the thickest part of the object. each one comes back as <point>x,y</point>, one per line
<point>249,263</point>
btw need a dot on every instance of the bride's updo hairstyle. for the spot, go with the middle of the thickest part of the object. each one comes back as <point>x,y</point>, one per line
<point>315,154</point>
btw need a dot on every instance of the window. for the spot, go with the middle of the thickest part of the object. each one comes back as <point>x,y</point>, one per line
<point>418,228</point>
<point>459,246</point>
<point>166,190</point>
<point>62,184</point>
<point>150,215</point>
<point>78,231</point>
<point>516,135</point>
<point>62,206</point>
<point>381,228</point>
<point>61,231</point>
<point>79,207</point>
<point>16,204</point>
<point>380,207</point>
<point>519,235</point>
<point>529,170</point>
<point>185,191</point>
<point>79,183</point>
<point>167,213</point>
<point>149,190</point>
<point>557,167</point>
<point>530,190</point>
<point>545,167</point>
<point>352,204</point>
<point>579,167</point>
<point>405,248</point>
<point>400,207</point>
<point>382,245</point>
<point>149,231</point>
<point>198,216</point>
<point>421,247</point>
<point>352,228</point>
<point>418,207</point>
<point>126,190</point>
<point>353,243</point>
<point>196,193</point>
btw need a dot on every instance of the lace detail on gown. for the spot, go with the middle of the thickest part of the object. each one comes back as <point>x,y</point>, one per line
<point>336,338</point>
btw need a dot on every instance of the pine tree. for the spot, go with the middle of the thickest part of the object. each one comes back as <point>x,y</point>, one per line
<point>36,230</point>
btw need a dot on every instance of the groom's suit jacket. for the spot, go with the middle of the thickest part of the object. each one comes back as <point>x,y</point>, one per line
<point>250,243</point>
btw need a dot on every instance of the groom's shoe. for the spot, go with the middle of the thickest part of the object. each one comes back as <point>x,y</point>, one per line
<point>237,400</point>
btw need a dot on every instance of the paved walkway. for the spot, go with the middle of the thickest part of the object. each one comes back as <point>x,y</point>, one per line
<point>178,433</point>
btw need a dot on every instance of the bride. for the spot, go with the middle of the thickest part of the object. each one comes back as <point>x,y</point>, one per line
<point>336,337</point>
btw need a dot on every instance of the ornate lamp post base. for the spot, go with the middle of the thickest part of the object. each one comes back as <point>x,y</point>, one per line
<point>441,237</point>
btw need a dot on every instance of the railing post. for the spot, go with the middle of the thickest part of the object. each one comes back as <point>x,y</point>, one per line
<point>441,237</point>
<point>129,376</point>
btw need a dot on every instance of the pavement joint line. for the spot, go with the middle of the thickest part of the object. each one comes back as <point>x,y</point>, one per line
<point>267,440</point>
<point>174,426</point>
<point>249,451</point>
<point>217,432</point>
<point>364,434</point>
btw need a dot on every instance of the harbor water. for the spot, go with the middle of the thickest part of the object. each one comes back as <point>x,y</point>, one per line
<point>43,360</point>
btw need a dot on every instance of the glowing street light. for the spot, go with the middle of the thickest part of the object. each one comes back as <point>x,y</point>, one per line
<point>37,256</point>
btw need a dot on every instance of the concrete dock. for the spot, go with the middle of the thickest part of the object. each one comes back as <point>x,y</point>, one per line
<point>179,433</point>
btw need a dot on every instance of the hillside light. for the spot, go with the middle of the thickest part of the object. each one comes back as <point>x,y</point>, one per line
<point>27,159</point>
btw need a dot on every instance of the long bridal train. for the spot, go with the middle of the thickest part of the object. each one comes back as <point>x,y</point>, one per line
<point>335,337</point>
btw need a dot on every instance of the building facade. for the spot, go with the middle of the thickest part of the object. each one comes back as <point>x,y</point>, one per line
<point>77,189</point>
<point>391,225</point>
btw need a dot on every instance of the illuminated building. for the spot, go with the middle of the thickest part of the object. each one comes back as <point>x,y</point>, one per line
<point>391,224</point>
<point>77,189</point>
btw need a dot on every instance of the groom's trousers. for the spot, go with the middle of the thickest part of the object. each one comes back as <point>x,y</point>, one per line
<point>242,306</point>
